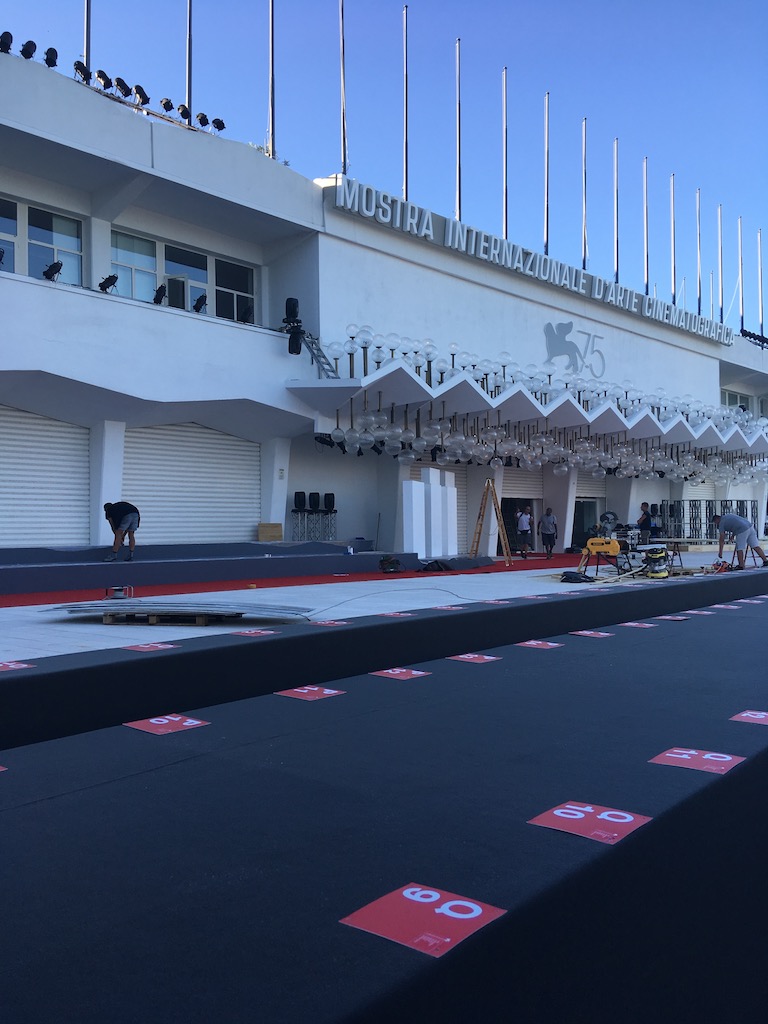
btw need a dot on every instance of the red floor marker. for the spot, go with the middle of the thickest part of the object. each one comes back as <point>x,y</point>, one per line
<point>11,666</point>
<point>448,607</point>
<point>603,824</point>
<point>2,769</point>
<point>672,618</point>
<point>730,607</point>
<point>492,601</point>
<point>329,622</point>
<point>639,625</point>
<point>309,693</point>
<point>401,673</point>
<point>542,645</point>
<point>397,615</point>
<point>748,600</point>
<point>474,659</point>
<point>432,921</point>
<point>701,760</point>
<point>164,724</point>
<point>590,632</point>
<point>150,647</point>
<point>755,717</point>
<point>698,611</point>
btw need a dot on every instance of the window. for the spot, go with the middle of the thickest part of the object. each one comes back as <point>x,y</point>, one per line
<point>234,292</point>
<point>187,276</point>
<point>8,232</point>
<point>733,399</point>
<point>135,263</point>
<point>54,238</point>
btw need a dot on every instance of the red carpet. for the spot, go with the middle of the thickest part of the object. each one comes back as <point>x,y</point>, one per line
<point>534,561</point>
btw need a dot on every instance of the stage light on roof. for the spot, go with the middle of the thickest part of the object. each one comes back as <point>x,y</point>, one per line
<point>184,112</point>
<point>103,79</point>
<point>51,57</point>
<point>6,42</point>
<point>82,72</point>
<point>122,87</point>
<point>166,104</point>
<point>202,120</point>
<point>218,124</point>
<point>141,97</point>
<point>28,49</point>
<point>52,271</point>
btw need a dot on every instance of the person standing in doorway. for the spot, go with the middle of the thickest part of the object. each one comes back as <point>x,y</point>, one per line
<point>744,533</point>
<point>124,518</point>
<point>644,523</point>
<point>524,520</point>
<point>547,530</point>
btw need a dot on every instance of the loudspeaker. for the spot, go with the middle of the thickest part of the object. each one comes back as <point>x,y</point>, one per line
<point>314,501</point>
<point>654,510</point>
<point>300,500</point>
<point>329,502</point>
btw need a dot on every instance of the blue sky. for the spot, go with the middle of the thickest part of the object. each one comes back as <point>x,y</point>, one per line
<point>682,83</point>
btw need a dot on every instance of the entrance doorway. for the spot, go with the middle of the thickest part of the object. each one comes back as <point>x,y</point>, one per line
<point>509,509</point>
<point>585,515</point>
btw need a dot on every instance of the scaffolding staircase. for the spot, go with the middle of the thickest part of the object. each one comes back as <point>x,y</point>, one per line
<point>490,488</point>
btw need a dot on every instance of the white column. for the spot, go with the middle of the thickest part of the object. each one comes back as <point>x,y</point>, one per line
<point>107,448</point>
<point>414,517</point>
<point>275,461</point>
<point>560,496</point>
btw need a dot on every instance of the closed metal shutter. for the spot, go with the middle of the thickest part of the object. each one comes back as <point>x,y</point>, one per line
<point>460,481</point>
<point>702,492</point>
<point>192,484</point>
<point>44,481</point>
<point>522,483</point>
<point>588,487</point>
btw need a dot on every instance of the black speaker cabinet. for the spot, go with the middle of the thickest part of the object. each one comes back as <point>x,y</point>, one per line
<point>329,502</point>
<point>300,500</point>
<point>314,501</point>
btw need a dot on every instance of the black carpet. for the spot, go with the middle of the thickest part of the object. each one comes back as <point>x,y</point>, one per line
<point>202,876</point>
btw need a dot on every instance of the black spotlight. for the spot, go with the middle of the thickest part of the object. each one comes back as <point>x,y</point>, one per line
<point>52,272</point>
<point>51,57</point>
<point>82,72</point>
<point>159,295</point>
<point>103,79</point>
<point>122,87</point>
<point>293,326</point>
<point>141,97</point>
<point>6,42</point>
<point>200,303</point>
<point>108,282</point>
<point>2,256</point>
<point>202,120</point>
<point>166,104</point>
<point>325,439</point>
<point>28,50</point>
<point>218,124</point>
<point>184,112</point>
<point>246,317</point>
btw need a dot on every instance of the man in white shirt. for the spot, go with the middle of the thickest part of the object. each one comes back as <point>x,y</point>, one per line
<point>524,531</point>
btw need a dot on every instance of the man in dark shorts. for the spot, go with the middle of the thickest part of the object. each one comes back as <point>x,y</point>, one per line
<point>124,518</point>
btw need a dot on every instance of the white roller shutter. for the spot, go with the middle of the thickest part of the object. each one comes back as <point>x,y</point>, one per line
<point>44,481</point>
<point>588,487</point>
<point>460,481</point>
<point>192,484</point>
<point>702,492</point>
<point>525,484</point>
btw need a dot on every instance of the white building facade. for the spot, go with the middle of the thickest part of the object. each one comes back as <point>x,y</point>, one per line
<point>173,386</point>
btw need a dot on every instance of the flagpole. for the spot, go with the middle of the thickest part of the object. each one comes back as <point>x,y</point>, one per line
<point>584,194</point>
<point>87,34</point>
<point>546,174</point>
<point>741,279</point>
<point>616,210</point>
<point>344,154</point>
<point>645,224</point>
<point>188,95</point>
<point>405,102</point>
<point>271,149</point>
<point>672,237</point>
<point>698,251</point>
<point>505,156</point>
<point>720,258</point>
<point>760,278</point>
<point>458,129</point>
